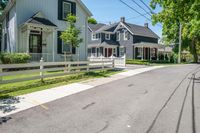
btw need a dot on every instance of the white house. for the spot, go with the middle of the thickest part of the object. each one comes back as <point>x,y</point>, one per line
<point>34,27</point>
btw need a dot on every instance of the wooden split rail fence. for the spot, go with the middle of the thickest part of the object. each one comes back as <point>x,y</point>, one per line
<point>39,69</point>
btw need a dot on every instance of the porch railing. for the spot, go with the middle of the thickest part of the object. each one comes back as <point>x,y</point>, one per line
<point>35,57</point>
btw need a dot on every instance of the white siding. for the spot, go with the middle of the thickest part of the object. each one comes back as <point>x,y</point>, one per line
<point>27,8</point>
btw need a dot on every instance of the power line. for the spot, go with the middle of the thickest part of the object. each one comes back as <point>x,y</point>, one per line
<point>134,9</point>
<point>147,7</point>
<point>140,7</point>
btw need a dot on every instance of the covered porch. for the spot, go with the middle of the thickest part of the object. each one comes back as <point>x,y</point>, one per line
<point>38,38</point>
<point>145,51</point>
<point>104,50</point>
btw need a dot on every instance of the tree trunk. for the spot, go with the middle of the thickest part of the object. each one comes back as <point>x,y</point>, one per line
<point>194,50</point>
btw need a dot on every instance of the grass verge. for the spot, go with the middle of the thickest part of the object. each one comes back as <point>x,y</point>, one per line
<point>16,89</point>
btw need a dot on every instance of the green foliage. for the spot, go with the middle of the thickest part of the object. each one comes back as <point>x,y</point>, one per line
<point>174,13</point>
<point>92,21</point>
<point>137,62</point>
<point>71,35</point>
<point>14,58</point>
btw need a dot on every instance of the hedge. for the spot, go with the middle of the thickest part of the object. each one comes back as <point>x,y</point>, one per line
<point>14,58</point>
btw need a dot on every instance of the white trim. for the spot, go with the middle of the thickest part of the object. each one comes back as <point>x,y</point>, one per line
<point>66,51</point>
<point>124,27</point>
<point>64,2</point>
<point>96,38</point>
<point>126,38</point>
<point>118,32</point>
<point>108,36</point>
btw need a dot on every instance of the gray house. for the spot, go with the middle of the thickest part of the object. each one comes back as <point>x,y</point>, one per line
<point>34,27</point>
<point>137,42</point>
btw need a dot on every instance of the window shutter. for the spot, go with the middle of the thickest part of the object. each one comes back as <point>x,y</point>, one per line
<point>73,50</point>
<point>60,9</point>
<point>74,8</point>
<point>59,43</point>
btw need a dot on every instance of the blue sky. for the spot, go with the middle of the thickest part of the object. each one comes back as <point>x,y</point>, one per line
<point>106,11</point>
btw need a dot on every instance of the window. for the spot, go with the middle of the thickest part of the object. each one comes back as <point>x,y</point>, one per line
<point>126,35</point>
<point>107,36</point>
<point>66,48</point>
<point>118,36</point>
<point>122,51</point>
<point>95,36</point>
<point>66,9</point>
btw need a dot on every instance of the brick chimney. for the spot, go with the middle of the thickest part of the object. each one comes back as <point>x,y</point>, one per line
<point>146,25</point>
<point>122,19</point>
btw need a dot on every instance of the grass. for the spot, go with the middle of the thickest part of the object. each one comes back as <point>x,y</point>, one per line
<point>137,62</point>
<point>20,88</point>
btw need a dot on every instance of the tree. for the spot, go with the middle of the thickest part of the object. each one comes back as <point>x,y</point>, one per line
<point>174,13</point>
<point>71,35</point>
<point>3,4</point>
<point>92,21</point>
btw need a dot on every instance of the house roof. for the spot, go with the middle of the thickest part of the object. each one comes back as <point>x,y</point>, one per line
<point>12,2</point>
<point>95,27</point>
<point>43,21</point>
<point>133,28</point>
<point>141,30</point>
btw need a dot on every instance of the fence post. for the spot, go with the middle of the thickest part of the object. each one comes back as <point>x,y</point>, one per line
<point>88,66</point>
<point>69,65</point>
<point>1,77</point>
<point>102,63</point>
<point>113,63</point>
<point>41,70</point>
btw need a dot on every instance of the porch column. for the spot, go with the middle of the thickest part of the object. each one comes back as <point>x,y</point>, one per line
<point>53,48</point>
<point>27,41</point>
<point>157,53</point>
<point>150,53</point>
<point>142,53</point>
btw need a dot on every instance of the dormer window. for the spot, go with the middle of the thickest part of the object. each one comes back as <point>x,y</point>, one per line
<point>107,36</point>
<point>95,36</point>
<point>118,36</point>
<point>67,9</point>
<point>126,35</point>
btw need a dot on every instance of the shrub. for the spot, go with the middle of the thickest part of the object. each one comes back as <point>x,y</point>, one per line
<point>137,62</point>
<point>14,58</point>
<point>160,61</point>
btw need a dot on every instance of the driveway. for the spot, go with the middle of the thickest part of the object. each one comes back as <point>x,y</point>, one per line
<point>160,101</point>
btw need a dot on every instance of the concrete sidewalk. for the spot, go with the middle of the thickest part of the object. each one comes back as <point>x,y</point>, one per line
<point>11,106</point>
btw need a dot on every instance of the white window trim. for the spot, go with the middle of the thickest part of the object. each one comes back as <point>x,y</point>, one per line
<point>118,32</point>
<point>108,36</point>
<point>63,8</point>
<point>66,51</point>
<point>125,35</point>
<point>94,39</point>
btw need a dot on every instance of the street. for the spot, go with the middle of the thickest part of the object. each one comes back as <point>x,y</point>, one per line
<point>165,100</point>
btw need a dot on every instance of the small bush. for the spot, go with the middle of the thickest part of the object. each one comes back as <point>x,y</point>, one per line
<point>14,58</point>
<point>160,61</point>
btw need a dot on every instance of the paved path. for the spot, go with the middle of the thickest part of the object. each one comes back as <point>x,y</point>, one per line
<point>27,101</point>
<point>159,101</point>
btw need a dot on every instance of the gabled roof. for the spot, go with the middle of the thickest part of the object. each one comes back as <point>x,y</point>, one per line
<point>141,30</point>
<point>38,18</point>
<point>134,29</point>
<point>95,27</point>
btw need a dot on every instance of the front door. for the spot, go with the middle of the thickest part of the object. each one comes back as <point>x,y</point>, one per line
<point>35,43</point>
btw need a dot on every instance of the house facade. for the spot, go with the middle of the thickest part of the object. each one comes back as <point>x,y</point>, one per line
<point>34,27</point>
<point>122,38</point>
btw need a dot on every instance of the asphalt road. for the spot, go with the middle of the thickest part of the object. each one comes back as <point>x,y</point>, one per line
<point>166,100</point>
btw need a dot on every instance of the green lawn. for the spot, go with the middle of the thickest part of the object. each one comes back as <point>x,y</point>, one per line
<point>20,88</point>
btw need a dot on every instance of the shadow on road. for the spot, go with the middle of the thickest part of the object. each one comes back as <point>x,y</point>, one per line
<point>4,119</point>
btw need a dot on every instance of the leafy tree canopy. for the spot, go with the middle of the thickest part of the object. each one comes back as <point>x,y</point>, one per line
<point>71,35</point>
<point>176,12</point>
<point>92,21</point>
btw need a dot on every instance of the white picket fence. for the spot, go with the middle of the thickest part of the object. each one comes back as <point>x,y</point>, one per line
<point>119,62</point>
<point>42,68</point>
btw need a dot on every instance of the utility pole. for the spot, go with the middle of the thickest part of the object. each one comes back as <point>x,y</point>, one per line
<point>180,42</point>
